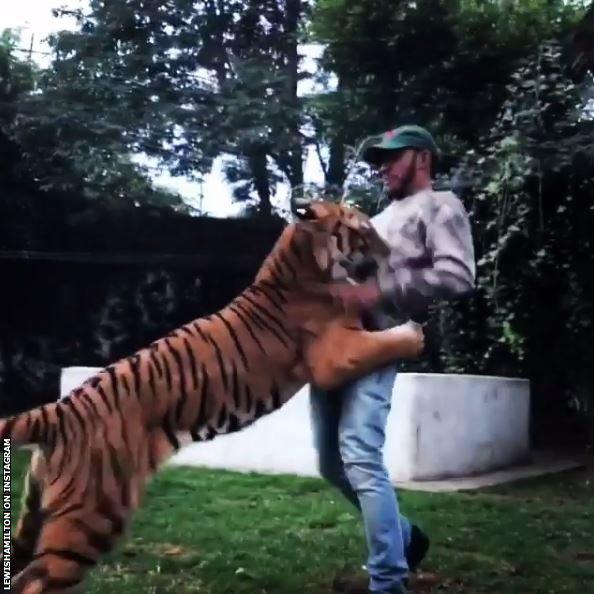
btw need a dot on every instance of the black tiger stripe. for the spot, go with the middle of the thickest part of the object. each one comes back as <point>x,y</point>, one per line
<point>156,363</point>
<point>125,436</point>
<point>275,277</point>
<point>113,376</point>
<point>166,426</point>
<point>86,398</point>
<point>252,316</point>
<point>219,356</point>
<point>88,412</point>
<point>277,270</point>
<point>104,505</point>
<point>235,392</point>
<point>69,555</point>
<point>339,239</point>
<point>263,324</point>
<point>45,422</point>
<point>201,415</point>
<point>152,380</point>
<point>35,431</point>
<point>152,459</point>
<point>77,415</point>
<point>260,409</point>
<point>235,339</point>
<point>192,359</point>
<point>183,397</point>
<point>248,328</point>
<point>266,295</point>
<point>295,250</point>
<point>210,433</point>
<point>186,330</point>
<point>69,488</point>
<point>105,398</point>
<point>265,312</point>
<point>248,399</point>
<point>278,291</point>
<point>285,261</point>
<point>52,515</point>
<point>102,543</point>
<point>234,424</point>
<point>126,385</point>
<point>276,397</point>
<point>134,363</point>
<point>93,382</point>
<point>61,421</point>
<point>116,466</point>
<point>168,377</point>
<point>222,418</point>
<point>201,333</point>
<point>62,431</point>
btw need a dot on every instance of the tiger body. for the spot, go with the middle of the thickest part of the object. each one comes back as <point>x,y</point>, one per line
<point>98,446</point>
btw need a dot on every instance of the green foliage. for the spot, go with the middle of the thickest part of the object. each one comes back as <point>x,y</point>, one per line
<point>533,219</point>
<point>187,81</point>
<point>443,64</point>
<point>183,83</point>
<point>490,79</point>
<point>52,141</point>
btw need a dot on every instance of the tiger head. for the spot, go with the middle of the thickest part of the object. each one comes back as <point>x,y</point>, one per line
<point>329,242</point>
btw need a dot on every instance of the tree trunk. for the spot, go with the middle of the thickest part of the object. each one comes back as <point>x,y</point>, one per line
<point>259,170</point>
<point>295,153</point>
<point>336,173</point>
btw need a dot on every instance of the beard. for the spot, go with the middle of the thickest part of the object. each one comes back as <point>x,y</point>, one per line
<point>404,189</point>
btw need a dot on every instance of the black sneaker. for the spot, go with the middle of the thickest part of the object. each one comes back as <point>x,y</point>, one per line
<point>417,549</point>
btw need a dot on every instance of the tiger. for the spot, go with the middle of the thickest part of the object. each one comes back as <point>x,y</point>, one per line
<point>96,448</point>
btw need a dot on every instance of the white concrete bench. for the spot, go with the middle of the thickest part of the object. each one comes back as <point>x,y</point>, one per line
<point>440,426</point>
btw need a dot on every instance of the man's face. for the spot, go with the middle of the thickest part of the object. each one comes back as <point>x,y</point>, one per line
<point>398,171</point>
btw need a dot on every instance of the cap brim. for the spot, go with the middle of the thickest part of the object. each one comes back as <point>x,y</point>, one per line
<point>376,154</point>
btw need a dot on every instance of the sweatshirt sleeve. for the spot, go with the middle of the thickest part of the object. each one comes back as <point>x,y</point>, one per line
<point>451,273</point>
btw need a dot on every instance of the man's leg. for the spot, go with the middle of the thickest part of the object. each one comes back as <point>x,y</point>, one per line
<point>365,405</point>
<point>325,417</point>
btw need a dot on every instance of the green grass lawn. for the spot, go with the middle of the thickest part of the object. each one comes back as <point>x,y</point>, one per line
<point>220,532</point>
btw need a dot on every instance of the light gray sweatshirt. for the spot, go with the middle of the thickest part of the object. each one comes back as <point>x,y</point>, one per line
<point>432,255</point>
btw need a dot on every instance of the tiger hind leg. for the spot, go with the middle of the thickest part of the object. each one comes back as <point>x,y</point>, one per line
<point>49,576</point>
<point>29,524</point>
<point>63,556</point>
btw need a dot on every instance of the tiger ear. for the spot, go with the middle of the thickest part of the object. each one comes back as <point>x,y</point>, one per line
<point>312,211</point>
<point>316,240</point>
<point>321,250</point>
<point>305,213</point>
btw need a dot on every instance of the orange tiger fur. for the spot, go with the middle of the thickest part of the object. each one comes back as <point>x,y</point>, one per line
<point>100,444</point>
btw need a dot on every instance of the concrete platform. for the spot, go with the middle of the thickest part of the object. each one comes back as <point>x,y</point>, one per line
<point>441,427</point>
<point>543,463</point>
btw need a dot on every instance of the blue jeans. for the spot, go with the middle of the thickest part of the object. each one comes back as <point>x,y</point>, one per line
<point>349,429</point>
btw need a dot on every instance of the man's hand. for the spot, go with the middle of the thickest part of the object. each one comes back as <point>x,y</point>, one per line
<point>411,339</point>
<point>357,297</point>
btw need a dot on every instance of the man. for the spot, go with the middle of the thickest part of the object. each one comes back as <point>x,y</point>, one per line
<point>431,258</point>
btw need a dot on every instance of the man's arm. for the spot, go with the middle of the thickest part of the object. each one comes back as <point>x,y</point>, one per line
<point>451,273</point>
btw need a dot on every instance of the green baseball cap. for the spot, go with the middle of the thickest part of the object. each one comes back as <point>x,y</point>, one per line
<point>404,137</point>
